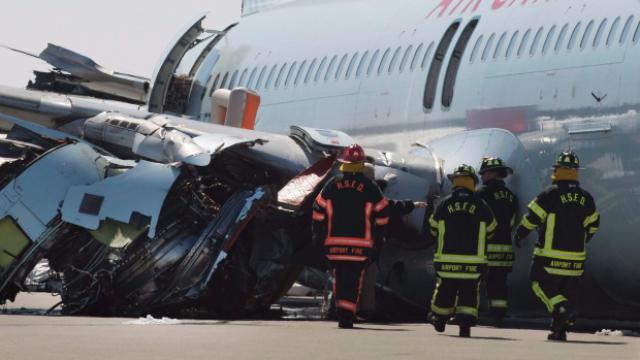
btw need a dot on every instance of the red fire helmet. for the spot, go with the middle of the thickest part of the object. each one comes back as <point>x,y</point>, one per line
<point>352,154</point>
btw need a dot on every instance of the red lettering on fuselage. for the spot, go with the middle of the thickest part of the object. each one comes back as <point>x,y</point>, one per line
<point>445,5</point>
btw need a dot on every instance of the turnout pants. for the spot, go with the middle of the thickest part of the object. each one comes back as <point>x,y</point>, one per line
<point>497,290</point>
<point>347,286</point>
<point>556,293</point>
<point>457,297</point>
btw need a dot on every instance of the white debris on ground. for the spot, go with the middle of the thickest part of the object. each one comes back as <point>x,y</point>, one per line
<point>608,332</point>
<point>150,320</point>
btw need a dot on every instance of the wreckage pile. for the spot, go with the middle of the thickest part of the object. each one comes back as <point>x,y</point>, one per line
<point>196,237</point>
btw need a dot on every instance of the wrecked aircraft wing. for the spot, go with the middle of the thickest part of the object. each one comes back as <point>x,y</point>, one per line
<point>84,76</point>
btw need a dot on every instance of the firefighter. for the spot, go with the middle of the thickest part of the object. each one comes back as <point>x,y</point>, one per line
<point>500,254</point>
<point>462,223</point>
<point>349,214</point>
<point>565,217</point>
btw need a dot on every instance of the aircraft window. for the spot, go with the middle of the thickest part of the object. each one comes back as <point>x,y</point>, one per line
<point>363,61</point>
<point>487,47</point>
<point>332,64</point>
<point>312,68</point>
<point>292,70</point>
<point>512,44</point>
<point>476,47</point>
<point>223,84</point>
<point>383,62</point>
<point>547,41</point>
<point>343,61</point>
<point>625,30</point>
<point>301,70</point>
<point>427,56</point>
<point>372,64</point>
<point>352,64</point>
<point>416,56</point>
<point>614,29</point>
<point>394,59</point>
<point>405,58</point>
<point>232,82</point>
<point>281,73</point>
<point>454,63</point>
<point>243,77</point>
<point>215,83</point>
<point>574,36</point>
<point>272,74</point>
<point>436,64</point>
<point>323,63</point>
<point>636,35</point>
<point>587,34</point>
<point>599,33</point>
<point>536,41</point>
<point>503,37</point>
<point>563,33</point>
<point>263,73</point>
<point>524,42</point>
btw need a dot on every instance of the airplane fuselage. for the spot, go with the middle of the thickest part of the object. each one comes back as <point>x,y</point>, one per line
<point>556,74</point>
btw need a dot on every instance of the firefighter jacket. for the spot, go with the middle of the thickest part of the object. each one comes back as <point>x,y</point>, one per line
<point>461,223</point>
<point>349,214</point>
<point>504,205</point>
<point>566,218</point>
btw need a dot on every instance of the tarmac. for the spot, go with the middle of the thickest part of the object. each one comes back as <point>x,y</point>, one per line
<point>57,337</point>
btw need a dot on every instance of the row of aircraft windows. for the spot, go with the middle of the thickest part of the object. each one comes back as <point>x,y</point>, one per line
<point>576,37</point>
<point>317,70</point>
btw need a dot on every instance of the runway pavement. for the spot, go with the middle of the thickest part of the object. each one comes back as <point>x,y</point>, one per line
<point>56,337</point>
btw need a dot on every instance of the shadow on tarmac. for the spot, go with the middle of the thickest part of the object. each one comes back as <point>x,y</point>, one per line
<point>482,337</point>
<point>583,342</point>
<point>378,329</point>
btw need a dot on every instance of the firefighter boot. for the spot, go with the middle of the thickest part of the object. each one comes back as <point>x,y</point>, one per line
<point>465,322</point>
<point>559,324</point>
<point>498,315</point>
<point>345,319</point>
<point>438,322</point>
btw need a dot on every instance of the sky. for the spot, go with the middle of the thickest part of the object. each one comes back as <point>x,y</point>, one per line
<point>123,35</point>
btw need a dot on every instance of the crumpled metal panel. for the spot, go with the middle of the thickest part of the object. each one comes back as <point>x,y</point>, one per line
<point>214,143</point>
<point>138,192</point>
<point>32,199</point>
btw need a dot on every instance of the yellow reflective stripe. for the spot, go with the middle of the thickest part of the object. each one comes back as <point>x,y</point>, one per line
<point>432,222</point>
<point>561,255</point>
<point>540,294</point>
<point>492,227</point>
<point>442,311</point>
<point>441,230</point>
<point>591,219</point>
<point>557,300</point>
<point>563,272</point>
<point>460,259</point>
<point>454,275</point>
<point>498,303</point>
<point>528,224</point>
<point>548,235</point>
<point>501,263</point>
<point>533,206</point>
<point>436,309</point>
<point>593,230</point>
<point>467,310</point>
<point>482,238</point>
<point>500,248</point>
